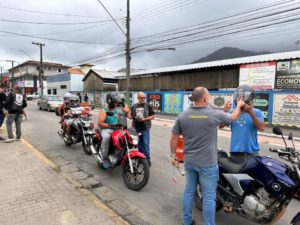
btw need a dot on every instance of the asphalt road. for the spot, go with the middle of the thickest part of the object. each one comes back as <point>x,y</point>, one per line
<point>160,201</point>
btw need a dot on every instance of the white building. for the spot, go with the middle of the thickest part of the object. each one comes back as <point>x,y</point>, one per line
<point>67,82</point>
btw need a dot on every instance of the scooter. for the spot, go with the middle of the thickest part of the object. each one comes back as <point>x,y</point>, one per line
<point>258,189</point>
<point>123,152</point>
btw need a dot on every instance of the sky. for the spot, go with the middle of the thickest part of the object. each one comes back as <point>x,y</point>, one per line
<point>163,32</point>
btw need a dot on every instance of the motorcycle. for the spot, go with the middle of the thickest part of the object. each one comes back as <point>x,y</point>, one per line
<point>82,131</point>
<point>123,152</point>
<point>258,189</point>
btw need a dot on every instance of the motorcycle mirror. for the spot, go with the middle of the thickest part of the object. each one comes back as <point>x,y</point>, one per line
<point>290,136</point>
<point>277,130</point>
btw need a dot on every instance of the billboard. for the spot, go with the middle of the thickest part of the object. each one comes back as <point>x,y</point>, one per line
<point>288,75</point>
<point>260,76</point>
<point>286,109</point>
<point>261,102</point>
<point>172,103</point>
<point>155,100</point>
<point>217,101</point>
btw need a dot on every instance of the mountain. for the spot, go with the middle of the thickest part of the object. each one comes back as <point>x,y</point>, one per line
<point>228,53</point>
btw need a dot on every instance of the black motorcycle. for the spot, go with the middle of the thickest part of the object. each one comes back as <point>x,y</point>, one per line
<point>82,130</point>
<point>260,188</point>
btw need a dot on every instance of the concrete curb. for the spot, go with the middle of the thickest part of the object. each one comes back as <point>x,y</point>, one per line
<point>228,129</point>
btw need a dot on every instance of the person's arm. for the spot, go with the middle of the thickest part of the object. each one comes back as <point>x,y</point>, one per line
<point>259,124</point>
<point>151,115</point>
<point>235,114</point>
<point>227,107</point>
<point>173,144</point>
<point>101,119</point>
<point>24,102</point>
<point>61,110</point>
<point>126,110</point>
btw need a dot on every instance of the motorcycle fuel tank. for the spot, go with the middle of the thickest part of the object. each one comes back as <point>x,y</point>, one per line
<point>272,174</point>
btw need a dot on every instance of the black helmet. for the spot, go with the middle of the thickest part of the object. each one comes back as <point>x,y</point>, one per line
<point>115,97</point>
<point>244,92</point>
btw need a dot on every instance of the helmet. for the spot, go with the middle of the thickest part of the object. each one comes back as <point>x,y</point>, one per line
<point>67,97</point>
<point>244,92</point>
<point>74,100</point>
<point>113,98</point>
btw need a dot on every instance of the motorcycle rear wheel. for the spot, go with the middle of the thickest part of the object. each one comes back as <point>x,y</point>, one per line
<point>141,170</point>
<point>87,146</point>
<point>199,200</point>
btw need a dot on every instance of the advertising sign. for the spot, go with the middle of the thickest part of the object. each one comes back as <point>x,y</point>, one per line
<point>260,76</point>
<point>172,103</point>
<point>261,102</point>
<point>288,75</point>
<point>98,99</point>
<point>217,101</point>
<point>186,101</point>
<point>286,109</point>
<point>155,100</point>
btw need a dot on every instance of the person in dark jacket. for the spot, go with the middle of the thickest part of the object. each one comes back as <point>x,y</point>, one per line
<point>14,104</point>
<point>2,101</point>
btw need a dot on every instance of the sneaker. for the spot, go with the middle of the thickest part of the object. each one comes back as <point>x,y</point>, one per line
<point>106,164</point>
<point>8,140</point>
<point>19,139</point>
<point>2,139</point>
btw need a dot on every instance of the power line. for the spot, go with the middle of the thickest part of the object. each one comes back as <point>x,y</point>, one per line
<point>56,24</point>
<point>52,39</point>
<point>48,13</point>
<point>112,17</point>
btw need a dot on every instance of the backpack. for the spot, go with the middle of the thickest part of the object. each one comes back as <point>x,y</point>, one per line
<point>17,104</point>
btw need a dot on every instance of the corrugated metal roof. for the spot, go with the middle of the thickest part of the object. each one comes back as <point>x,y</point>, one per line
<point>108,74</point>
<point>225,62</point>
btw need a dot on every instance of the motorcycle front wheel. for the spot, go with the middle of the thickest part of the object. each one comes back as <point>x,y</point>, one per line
<point>199,200</point>
<point>87,146</point>
<point>140,176</point>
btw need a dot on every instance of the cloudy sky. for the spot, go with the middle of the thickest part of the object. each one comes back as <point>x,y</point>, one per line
<point>81,31</point>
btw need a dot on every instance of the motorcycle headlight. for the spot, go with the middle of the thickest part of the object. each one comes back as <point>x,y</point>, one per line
<point>135,139</point>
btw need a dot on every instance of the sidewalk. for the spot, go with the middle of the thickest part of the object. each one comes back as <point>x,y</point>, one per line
<point>33,193</point>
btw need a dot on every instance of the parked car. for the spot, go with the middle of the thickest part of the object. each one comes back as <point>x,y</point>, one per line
<point>49,103</point>
<point>33,96</point>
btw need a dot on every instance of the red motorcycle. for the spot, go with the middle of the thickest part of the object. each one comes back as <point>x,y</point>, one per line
<point>123,152</point>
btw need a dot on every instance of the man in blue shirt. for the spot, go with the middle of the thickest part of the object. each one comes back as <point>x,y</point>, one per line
<point>244,142</point>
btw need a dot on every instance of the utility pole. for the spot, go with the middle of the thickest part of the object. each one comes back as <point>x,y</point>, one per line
<point>12,73</point>
<point>128,58</point>
<point>41,71</point>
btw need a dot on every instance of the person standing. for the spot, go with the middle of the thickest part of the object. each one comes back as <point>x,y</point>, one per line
<point>142,114</point>
<point>79,97</point>
<point>198,124</point>
<point>86,97</point>
<point>244,140</point>
<point>14,104</point>
<point>2,101</point>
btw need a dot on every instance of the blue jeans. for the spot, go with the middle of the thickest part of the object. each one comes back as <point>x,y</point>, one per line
<point>208,178</point>
<point>144,142</point>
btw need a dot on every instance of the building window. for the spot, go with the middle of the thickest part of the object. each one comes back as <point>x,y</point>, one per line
<point>49,91</point>
<point>63,86</point>
<point>54,92</point>
<point>59,70</point>
<point>49,68</point>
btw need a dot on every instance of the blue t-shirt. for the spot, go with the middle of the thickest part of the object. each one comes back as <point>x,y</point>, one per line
<point>244,133</point>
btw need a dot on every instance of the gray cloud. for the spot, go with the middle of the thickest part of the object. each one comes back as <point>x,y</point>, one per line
<point>144,22</point>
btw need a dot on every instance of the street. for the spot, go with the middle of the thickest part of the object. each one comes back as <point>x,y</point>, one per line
<point>160,201</point>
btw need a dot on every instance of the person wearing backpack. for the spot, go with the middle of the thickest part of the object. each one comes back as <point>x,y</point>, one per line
<point>142,114</point>
<point>15,103</point>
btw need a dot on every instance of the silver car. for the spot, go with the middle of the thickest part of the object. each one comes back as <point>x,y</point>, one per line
<point>49,103</point>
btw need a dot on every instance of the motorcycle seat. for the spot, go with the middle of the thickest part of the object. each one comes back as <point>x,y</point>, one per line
<point>230,166</point>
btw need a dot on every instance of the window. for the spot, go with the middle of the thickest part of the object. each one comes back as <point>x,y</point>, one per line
<point>59,70</point>
<point>49,68</point>
<point>63,86</point>
<point>49,91</point>
<point>54,92</point>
